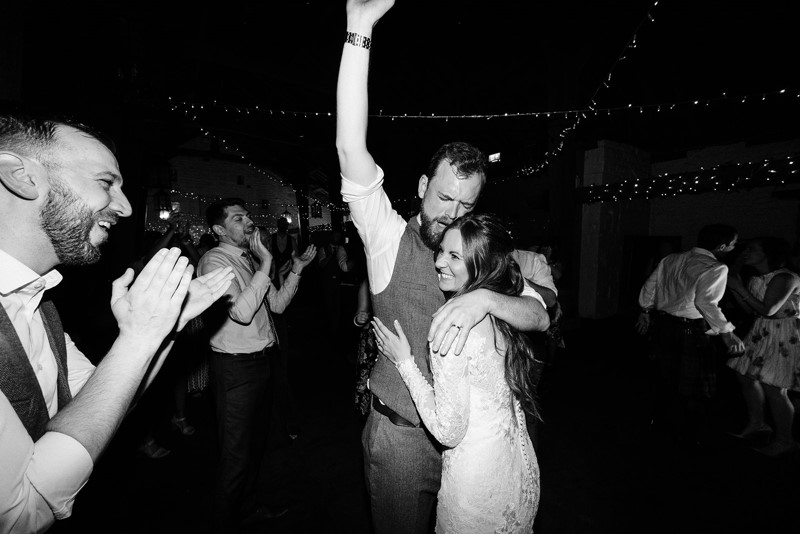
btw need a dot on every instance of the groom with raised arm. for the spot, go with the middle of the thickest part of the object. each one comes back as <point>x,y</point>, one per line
<point>402,462</point>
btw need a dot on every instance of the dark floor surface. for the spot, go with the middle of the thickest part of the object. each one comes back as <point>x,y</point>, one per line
<point>601,471</point>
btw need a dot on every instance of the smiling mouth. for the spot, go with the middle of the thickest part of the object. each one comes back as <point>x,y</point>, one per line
<point>445,275</point>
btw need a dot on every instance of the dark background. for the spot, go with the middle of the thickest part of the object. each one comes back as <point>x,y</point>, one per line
<point>116,64</point>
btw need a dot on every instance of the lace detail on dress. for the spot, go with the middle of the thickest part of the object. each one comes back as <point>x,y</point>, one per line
<point>445,413</point>
<point>490,477</point>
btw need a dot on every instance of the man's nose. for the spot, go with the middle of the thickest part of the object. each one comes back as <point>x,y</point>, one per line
<point>120,205</point>
<point>453,211</point>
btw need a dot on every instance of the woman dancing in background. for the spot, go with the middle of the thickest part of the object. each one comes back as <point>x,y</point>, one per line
<point>490,476</point>
<point>770,365</point>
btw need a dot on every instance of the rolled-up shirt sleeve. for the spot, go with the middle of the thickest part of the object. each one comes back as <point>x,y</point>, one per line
<point>709,291</point>
<point>379,226</point>
<point>281,298</point>
<point>647,295</point>
<point>80,368</point>
<point>528,291</point>
<point>38,481</point>
<point>245,299</point>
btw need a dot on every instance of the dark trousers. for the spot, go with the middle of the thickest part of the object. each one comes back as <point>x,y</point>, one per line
<point>286,420</point>
<point>685,363</point>
<point>403,469</point>
<point>241,391</point>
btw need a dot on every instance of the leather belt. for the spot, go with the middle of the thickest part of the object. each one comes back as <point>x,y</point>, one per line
<point>685,320</point>
<point>393,416</point>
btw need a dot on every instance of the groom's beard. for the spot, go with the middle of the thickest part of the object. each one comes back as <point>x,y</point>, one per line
<point>429,230</point>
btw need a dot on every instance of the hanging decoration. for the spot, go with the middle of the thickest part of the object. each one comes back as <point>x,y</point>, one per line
<point>586,112</point>
<point>189,113</point>
<point>720,178</point>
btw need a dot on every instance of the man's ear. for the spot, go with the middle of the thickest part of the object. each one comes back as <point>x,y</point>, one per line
<point>219,230</point>
<point>18,175</point>
<point>422,186</point>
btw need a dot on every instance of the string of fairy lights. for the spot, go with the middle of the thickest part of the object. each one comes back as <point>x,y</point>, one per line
<point>190,109</point>
<point>189,113</point>
<point>719,178</point>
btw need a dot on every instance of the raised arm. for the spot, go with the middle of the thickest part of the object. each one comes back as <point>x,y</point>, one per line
<point>352,107</point>
<point>279,299</point>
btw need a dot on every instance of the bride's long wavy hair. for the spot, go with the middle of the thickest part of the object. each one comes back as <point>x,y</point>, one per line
<point>487,251</point>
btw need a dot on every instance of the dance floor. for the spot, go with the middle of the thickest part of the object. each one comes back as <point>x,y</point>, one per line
<point>601,469</point>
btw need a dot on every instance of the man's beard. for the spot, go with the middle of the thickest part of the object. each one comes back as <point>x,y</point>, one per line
<point>68,221</point>
<point>428,231</point>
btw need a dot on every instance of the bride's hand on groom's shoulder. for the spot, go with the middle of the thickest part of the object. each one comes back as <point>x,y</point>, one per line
<point>393,346</point>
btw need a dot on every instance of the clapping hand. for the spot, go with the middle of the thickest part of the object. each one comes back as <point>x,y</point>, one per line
<point>391,345</point>
<point>260,251</point>
<point>203,292</point>
<point>148,309</point>
<point>300,262</point>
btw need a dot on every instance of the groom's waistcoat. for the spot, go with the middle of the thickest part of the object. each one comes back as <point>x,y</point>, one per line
<point>17,379</point>
<point>411,297</point>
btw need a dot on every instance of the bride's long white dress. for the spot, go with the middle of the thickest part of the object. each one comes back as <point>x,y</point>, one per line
<point>490,477</point>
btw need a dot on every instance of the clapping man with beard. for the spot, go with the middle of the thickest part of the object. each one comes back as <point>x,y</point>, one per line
<point>243,340</point>
<point>61,193</point>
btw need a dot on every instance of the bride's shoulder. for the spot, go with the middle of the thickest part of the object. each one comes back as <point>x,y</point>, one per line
<point>481,332</point>
<point>485,328</point>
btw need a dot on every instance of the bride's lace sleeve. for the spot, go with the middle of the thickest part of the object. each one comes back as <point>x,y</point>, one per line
<point>444,408</point>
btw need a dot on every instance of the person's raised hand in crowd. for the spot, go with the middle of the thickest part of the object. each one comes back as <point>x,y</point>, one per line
<point>203,292</point>
<point>301,262</point>
<point>260,251</point>
<point>146,311</point>
<point>175,224</point>
<point>285,268</point>
<point>367,11</point>
<point>393,346</point>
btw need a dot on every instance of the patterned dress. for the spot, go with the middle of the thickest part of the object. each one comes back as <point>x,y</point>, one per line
<point>490,476</point>
<point>772,354</point>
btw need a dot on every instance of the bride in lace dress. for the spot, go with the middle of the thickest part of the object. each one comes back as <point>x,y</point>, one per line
<point>490,477</point>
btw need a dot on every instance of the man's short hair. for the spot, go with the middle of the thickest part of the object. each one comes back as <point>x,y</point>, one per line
<point>467,160</point>
<point>217,211</point>
<point>714,235</point>
<point>34,136</point>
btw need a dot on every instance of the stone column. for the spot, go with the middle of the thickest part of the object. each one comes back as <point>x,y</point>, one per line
<point>604,226</point>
